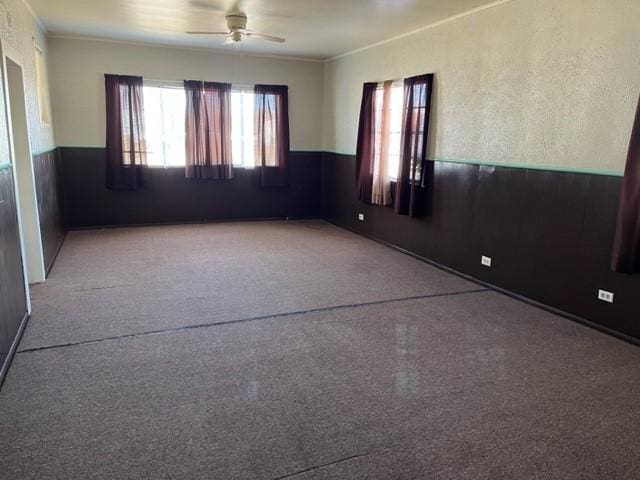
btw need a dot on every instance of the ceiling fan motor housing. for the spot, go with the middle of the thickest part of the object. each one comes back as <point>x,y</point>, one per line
<point>236,21</point>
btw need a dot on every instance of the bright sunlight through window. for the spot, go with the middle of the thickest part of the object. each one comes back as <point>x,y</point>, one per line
<point>164,111</point>
<point>395,126</point>
<point>164,115</point>
<point>43,89</point>
<point>242,143</point>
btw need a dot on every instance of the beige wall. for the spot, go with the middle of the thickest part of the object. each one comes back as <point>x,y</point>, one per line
<point>18,42</point>
<point>77,79</point>
<point>529,82</point>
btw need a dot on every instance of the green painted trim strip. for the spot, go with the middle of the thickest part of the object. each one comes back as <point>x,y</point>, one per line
<point>42,152</point>
<point>5,166</point>
<point>552,168</point>
<point>81,146</point>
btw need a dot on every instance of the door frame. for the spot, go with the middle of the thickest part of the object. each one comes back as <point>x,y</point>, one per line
<point>8,52</point>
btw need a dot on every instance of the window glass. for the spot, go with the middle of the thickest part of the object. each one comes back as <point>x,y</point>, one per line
<point>43,89</point>
<point>164,110</point>
<point>164,113</point>
<point>397,99</point>
<point>242,131</point>
<point>395,125</point>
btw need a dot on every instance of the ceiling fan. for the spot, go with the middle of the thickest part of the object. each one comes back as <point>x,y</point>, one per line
<point>237,24</point>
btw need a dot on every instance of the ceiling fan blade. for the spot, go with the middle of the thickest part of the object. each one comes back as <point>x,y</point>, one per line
<point>269,38</point>
<point>208,33</point>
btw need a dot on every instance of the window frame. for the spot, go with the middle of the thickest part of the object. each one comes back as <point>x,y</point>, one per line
<point>239,88</point>
<point>42,82</point>
<point>163,84</point>
<point>422,110</point>
<point>397,83</point>
<point>179,85</point>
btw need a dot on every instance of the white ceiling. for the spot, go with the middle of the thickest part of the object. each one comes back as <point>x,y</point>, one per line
<point>315,29</point>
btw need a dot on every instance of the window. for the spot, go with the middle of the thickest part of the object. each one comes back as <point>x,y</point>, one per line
<point>242,129</point>
<point>418,112</point>
<point>42,85</point>
<point>164,114</point>
<point>395,125</point>
<point>164,110</point>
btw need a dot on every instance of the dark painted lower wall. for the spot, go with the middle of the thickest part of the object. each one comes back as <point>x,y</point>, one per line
<point>46,172</point>
<point>550,234</point>
<point>13,304</point>
<point>170,198</point>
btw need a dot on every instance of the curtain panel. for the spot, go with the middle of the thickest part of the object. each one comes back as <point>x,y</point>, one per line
<point>381,189</point>
<point>412,174</point>
<point>366,147</point>
<point>208,130</point>
<point>373,182</point>
<point>126,144</point>
<point>271,125</point>
<point>626,250</point>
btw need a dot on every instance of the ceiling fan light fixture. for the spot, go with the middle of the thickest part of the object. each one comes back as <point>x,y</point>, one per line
<point>237,25</point>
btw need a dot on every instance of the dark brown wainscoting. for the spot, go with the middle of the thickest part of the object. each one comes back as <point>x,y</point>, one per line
<point>46,172</point>
<point>170,198</point>
<point>13,303</point>
<point>550,234</point>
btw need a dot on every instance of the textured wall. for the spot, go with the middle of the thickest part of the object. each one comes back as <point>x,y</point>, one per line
<point>545,82</point>
<point>18,30</point>
<point>77,79</point>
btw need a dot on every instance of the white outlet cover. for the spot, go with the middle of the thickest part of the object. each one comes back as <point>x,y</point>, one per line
<point>361,217</point>
<point>486,261</point>
<point>605,296</point>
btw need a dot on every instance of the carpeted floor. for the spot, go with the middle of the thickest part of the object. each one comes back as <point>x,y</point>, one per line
<point>277,350</point>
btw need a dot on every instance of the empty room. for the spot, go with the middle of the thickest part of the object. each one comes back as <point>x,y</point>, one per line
<point>320,239</point>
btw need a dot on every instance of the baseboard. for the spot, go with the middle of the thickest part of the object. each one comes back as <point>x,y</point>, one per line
<point>504,291</point>
<point>14,347</point>
<point>194,222</point>
<point>55,255</point>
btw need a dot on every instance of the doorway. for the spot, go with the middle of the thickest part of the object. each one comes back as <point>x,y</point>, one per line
<point>25,180</point>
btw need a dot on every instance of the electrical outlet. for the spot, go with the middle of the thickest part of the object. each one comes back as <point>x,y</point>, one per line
<point>605,296</point>
<point>486,261</point>
<point>361,217</point>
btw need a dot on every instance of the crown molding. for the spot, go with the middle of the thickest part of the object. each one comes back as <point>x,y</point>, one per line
<point>182,47</point>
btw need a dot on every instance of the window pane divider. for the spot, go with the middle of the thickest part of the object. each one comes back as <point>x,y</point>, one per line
<point>164,133</point>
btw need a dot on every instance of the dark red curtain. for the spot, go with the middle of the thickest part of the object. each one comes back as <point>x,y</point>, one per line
<point>366,148</point>
<point>272,134</point>
<point>412,174</point>
<point>626,250</point>
<point>208,130</point>
<point>126,145</point>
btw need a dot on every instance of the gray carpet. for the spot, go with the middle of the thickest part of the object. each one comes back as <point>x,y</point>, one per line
<point>120,281</point>
<point>463,385</point>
